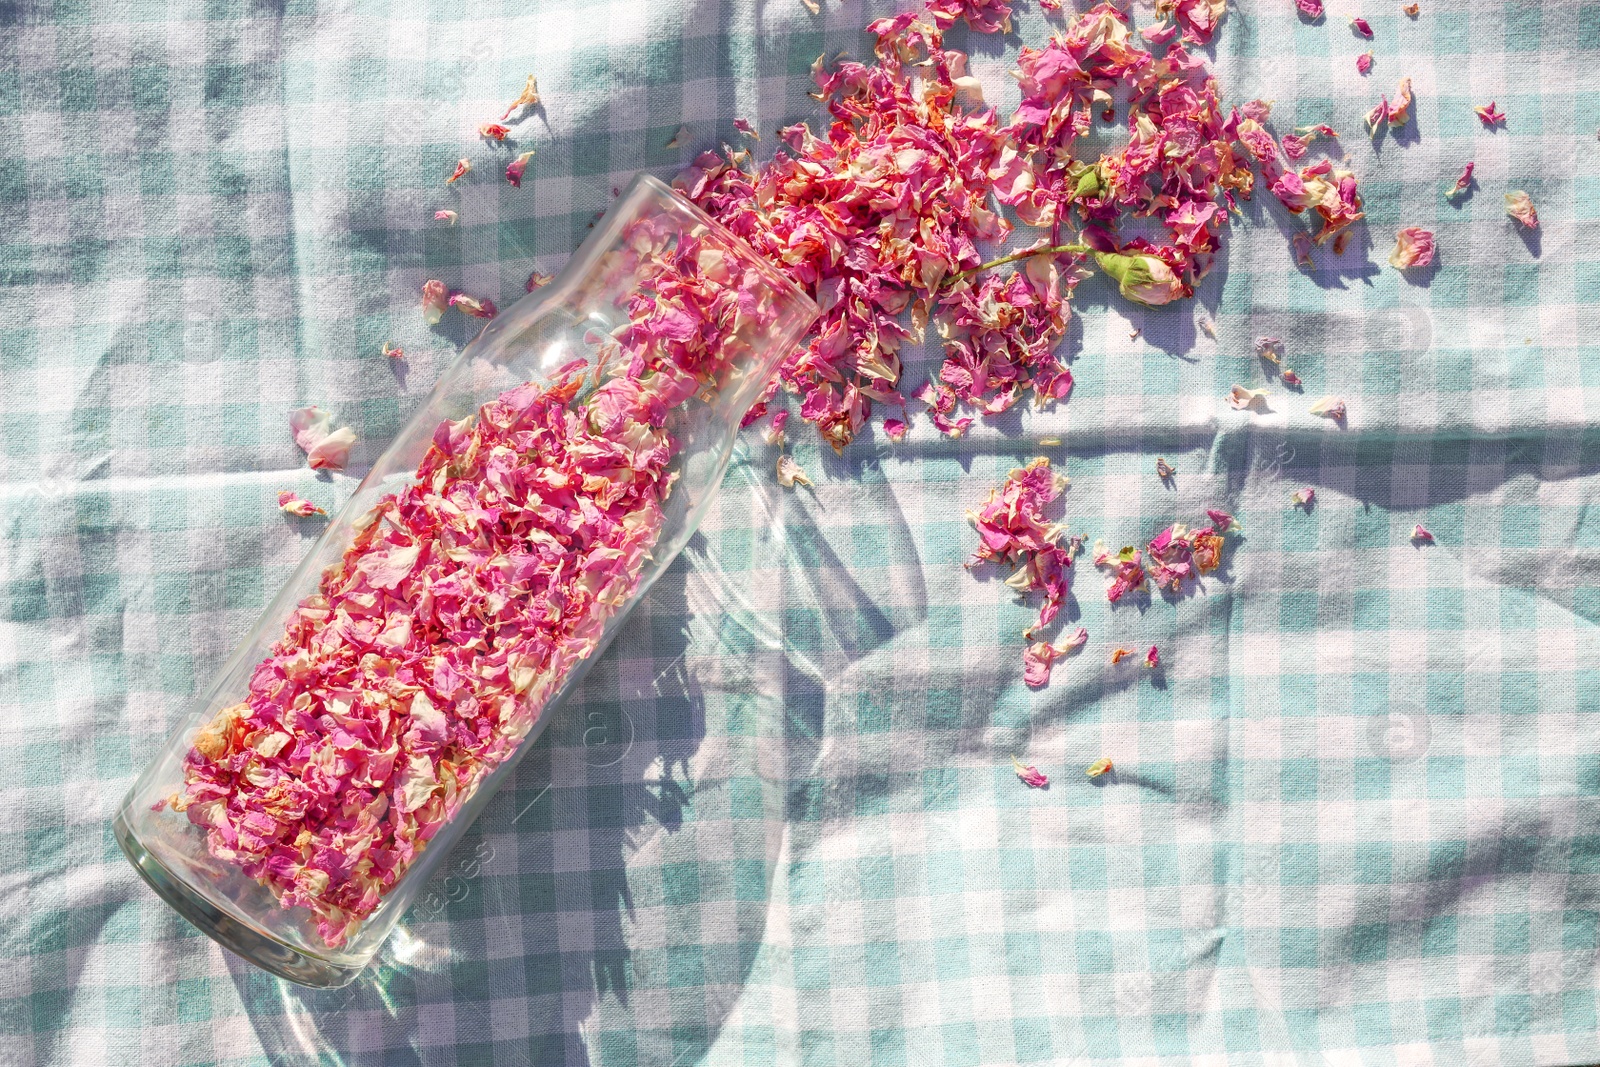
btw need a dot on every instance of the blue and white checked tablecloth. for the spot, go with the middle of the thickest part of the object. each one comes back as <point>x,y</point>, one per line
<point>1354,817</point>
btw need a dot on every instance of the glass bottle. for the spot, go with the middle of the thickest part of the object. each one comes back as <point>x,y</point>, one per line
<point>393,684</point>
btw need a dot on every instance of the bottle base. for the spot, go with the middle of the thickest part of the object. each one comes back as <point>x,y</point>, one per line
<point>249,944</point>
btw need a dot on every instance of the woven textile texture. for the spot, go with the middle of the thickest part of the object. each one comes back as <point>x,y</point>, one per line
<point>1353,818</point>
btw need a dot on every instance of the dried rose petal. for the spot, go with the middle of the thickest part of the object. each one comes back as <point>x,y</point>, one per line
<point>678,137</point>
<point>1462,184</point>
<point>445,215</point>
<point>789,472</point>
<point>1099,767</point>
<point>1399,112</point>
<point>1412,10</point>
<point>393,351</point>
<point>1164,470</point>
<point>1331,407</point>
<point>744,127</point>
<point>1221,520</point>
<point>309,425</point>
<point>812,6</point>
<point>1120,654</point>
<point>517,167</point>
<point>494,130</point>
<point>1413,247</point>
<point>538,280</point>
<point>333,451</point>
<point>774,434</point>
<point>1152,659</point>
<point>1422,535</point>
<point>435,299</point>
<point>463,166</point>
<point>294,505</point>
<point>1490,115</point>
<point>1290,378</point>
<point>1303,497</point>
<point>1364,62</point>
<point>529,97</point>
<point>1242,399</point>
<point>1361,26</point>
<point>1520,207</point>
<point>1311,9</point>
<point>894,429</point>
<point>470,305</point>
<point>1031,776</point>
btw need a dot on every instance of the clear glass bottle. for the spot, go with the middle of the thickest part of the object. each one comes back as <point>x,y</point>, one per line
<point>324,775</point>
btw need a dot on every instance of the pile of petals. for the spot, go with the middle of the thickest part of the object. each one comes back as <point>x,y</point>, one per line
<point>460,607</point>
<point>1012,528</point>
<point>882,216</point>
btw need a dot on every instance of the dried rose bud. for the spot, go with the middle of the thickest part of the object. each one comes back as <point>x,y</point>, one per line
<point>529,97</point>
<point>1330,407</point>
<point>294,505</point>
<point>445,215</point>
<point>1519,205</point>
<point>494,130</point>
<point>1099,767</point>
<point>1142,278</point>
<point>790,472</point>
<point>470,305</point>
<point>515,169</point>
<point>1413,247</point>
<point>463,166</point>
<point>1031,776</point>
<point>1364,62</point>
<point>435,299</point>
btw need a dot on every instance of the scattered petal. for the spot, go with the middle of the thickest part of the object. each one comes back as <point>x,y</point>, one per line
<point>1303,498</point>
<point>309,426</point>
<point>1361,26</point>
<point>1120,654</point>
<point>1270,349</point>
<point>528,98</point>
<point>517,167</point>
<point>1311,9</point>
<point>1462,184</point>
<point>294,505</point>
<point>679,137</point>
<point>789,472</point>
<point>1399,112</point>
<point>1490,115</point>
<point>1242,399</point>
<point>774,434</point>
<point>538,280</point>
<point>1099,767</point>
<point>1412,10</point>
<point>744,127</point>
<point>435,299</point>
<point>1152,659</point>
<point>894,429</point>
<point>463,167</point>
<point>1364,62</point>
<point>1330,407</point>
<point>1031,776</point>
<point>333,451</point>
<point>1164,470</point>
<point>445,215</point>
<point>393,351</point>
<point>1221,521</point>
<point>470,305</point>
<point>1290,378</point>
<point>1520,207</point>
<point>494,130</point>
<point>1413,247</point>
<point>1422,535</point>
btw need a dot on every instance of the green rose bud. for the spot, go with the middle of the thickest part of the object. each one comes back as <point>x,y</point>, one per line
<point>1144,279</point>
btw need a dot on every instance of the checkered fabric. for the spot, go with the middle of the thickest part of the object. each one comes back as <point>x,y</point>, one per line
<point>1353,818</point>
